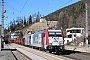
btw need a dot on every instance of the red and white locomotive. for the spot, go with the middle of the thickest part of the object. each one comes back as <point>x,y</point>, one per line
<point>48,40</point>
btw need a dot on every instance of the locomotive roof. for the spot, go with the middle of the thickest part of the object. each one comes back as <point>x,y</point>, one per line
<point>43,31</point>
<point>28,35</point>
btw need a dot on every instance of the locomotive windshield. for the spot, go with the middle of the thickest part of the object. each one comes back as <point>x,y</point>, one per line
<point>55,34</point>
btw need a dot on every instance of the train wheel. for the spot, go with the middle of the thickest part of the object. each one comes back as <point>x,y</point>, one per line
<point>46,50</point>
<point>50,51</point>
<point>39,48</point>
<point>32,47</point>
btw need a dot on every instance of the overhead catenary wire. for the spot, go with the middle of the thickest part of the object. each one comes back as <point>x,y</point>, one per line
<point>23,7</point>
<point>66,3</point>
<point>62,5</point>
<point>46,5</point>
<point>20,12</point>
<point>14,9</point>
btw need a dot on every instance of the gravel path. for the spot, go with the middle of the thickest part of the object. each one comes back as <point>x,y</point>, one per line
<point>78,56</point>
<point>11,54</point>
<point>6,55</point>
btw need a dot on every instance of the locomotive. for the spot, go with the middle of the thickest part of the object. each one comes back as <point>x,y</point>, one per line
<point>47,40</point>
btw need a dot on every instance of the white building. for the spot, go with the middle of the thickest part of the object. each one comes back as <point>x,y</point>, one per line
<point>72,33</point>
<point>42,19</point>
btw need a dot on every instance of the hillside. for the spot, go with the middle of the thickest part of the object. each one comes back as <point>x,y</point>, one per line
<point>39,26</point>
<point>71,16</point>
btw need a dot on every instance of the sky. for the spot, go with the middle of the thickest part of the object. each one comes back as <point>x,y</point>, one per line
<point>26,8</point>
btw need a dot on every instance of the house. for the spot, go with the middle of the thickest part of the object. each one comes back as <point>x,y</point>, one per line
<point>72,33</point>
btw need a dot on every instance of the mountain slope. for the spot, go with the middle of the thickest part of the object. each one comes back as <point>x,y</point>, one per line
<point>71,16</point>
<point>39,26</point>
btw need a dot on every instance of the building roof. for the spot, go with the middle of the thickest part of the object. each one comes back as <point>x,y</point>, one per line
<point>74,28</point>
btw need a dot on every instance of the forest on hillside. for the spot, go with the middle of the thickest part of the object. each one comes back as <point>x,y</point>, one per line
<point>22,23</point>
<point>18,24</point>
<point>70,16</point>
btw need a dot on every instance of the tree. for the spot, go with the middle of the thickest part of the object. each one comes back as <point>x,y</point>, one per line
<point>24,21</point>
<point>70,22</point>
<point>21,22</point>
<point>27,23</point>
<point>63,20</point>
<point>11,26</point>
<point>30,20</point>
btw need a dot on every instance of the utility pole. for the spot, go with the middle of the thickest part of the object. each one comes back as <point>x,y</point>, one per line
<point>86,26</point>
<point>2,31</point>
<point>47,21</point>
<point>0,37</point>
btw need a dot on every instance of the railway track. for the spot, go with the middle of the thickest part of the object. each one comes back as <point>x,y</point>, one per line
<point>74,55</point>
<point>14,54</point>
<point>45,55</point>
<point>67,55</point>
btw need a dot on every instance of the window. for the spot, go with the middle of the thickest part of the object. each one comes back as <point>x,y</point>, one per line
<point>58,34</point>
<point>51,34</point>
<point>55,34</point>
<point>69,36</point>
<point>75,35</point>
<point>75,31</point>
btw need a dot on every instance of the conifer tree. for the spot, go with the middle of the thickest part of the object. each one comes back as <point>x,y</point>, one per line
<point>24,21</point>
<point>30,20</point>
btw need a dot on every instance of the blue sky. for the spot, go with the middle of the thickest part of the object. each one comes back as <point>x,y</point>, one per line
<point>29,7</point>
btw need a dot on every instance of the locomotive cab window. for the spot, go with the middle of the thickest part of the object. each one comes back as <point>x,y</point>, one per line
<point>58,34</point>
<point>55,34</point>
<point>51,34</point>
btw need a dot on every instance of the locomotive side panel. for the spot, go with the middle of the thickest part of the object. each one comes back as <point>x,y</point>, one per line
<point>28,40</point>
<point>37,39</point>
